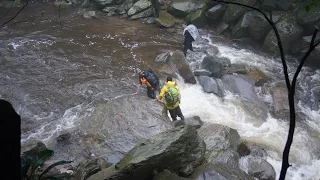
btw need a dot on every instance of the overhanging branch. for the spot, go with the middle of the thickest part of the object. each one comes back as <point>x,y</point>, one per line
<point>15,14</point>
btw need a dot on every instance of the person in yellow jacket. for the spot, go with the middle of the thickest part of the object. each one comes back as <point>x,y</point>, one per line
<point>171,97</point>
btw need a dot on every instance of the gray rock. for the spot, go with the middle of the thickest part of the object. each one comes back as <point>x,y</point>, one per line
<point>243,150</point>
<point>212,51</point>
<point>244,87</point>
<point>179,150</point>
<point>167,175</point>
<point>110,10</point>
<point>222,27</point>
<point>86,4</point>
<point>88,167</point>
<point>145,13</point>
<point>260,169</point>
<point>259,26</point>
<point>198,18</point>
<point>32,149</point>
<point>102,3</point>
<point>280,104</point>
<point>165,20</point>
<point>127,4</point>
<point>316,98</point>
<point>208,84</point>
<point>219,171</point>
<point>277,5</point>
<point>201,72</point>
<point>233,13</point>
<point>179,65</point>
<point>289,32</point>
<point>216,12</point>
<point>148,20</point>
<point>240,68</point>
<point>90,14</point>
<point>114,128</point>
<point>163,57</point>
<point>229,157</point>
<point>215,64</point>
<point>219,138</point>
<point>62,4</point>
<point>194,121</point>
<point>138,7</point>
<point>184,7</point>
<point>241,28</point>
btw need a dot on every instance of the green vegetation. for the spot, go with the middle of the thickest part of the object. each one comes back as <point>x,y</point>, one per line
<point>30,167</point>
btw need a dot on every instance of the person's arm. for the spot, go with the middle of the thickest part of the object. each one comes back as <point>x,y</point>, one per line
<point>162,93</point>
<point>138,88</point>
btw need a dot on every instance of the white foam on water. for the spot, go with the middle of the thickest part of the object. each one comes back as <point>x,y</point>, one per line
<point>271,133</point>
<point>67,121</point>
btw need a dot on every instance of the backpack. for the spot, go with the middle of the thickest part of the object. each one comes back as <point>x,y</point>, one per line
<point>151,78</point>
<point>172,96</point>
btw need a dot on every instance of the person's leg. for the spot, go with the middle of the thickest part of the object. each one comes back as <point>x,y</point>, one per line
<point>179,113</point>
<point>185,49</point>
<point>173,114</point>
<point>190,46</point>
<point>151,94</point>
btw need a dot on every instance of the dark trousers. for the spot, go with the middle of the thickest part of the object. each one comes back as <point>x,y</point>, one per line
<point>176,112</point>
<point>156,7</point>
<point>151,93</point>
<point>187,45</point>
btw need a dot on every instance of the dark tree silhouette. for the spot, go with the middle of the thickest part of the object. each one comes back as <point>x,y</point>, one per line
<point>290,85</point>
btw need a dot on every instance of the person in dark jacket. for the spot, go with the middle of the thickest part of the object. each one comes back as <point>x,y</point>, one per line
<point>190,34</point>
<point>149,79</point>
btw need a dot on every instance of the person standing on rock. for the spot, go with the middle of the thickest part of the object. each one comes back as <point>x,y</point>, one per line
<point>156,7</point>
<point>171,97</point>
<point>149,78</point>
<point>190,33</point>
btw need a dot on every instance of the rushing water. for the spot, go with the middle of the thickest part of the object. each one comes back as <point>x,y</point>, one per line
<point>53,70</point>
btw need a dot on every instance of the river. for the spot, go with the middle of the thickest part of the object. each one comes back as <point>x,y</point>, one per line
<point>54,68</point>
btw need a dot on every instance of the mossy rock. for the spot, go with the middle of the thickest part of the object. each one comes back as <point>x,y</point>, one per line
<point>165,19</point>
<point>197,18</point>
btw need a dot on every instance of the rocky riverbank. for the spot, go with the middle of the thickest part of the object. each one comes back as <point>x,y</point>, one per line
<point>294,23</point>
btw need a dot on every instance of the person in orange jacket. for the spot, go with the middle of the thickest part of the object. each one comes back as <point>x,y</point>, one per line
<point>149,79</point>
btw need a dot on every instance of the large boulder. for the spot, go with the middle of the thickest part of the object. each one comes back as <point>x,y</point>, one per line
<point>215,65</point>
<point>145,13</point>
<point>211,85</point>
<point>139,6</point>
<point>165,19</point>
<point>301,48</point>
<point>113,128</point>
<point>33,148</point>
<point>309,18</point>
<point>244,87</point>
<point>167,175</point>
<point>233,13</point>
<point>238,68</point>
<point>216,12</point>
<point>198,18</point>
<point>102,3</point>
<point>88,167</point>
<point>219,171</point>
<point>90,14</point>
<point>259,26</point>
<point>277,5</point>
<point>163,57</point>
<point>184,7</point>
<point>180,150</point>
<point>280,106</point>
<point>259,77</point>
<point>241,28</point>
<point>289,31</point>
<point>222,143</point>
<point>179,65</point>
<point>260,168</point>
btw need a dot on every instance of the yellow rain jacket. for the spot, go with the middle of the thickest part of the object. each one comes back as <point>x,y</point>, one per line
<point>164,91</point>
